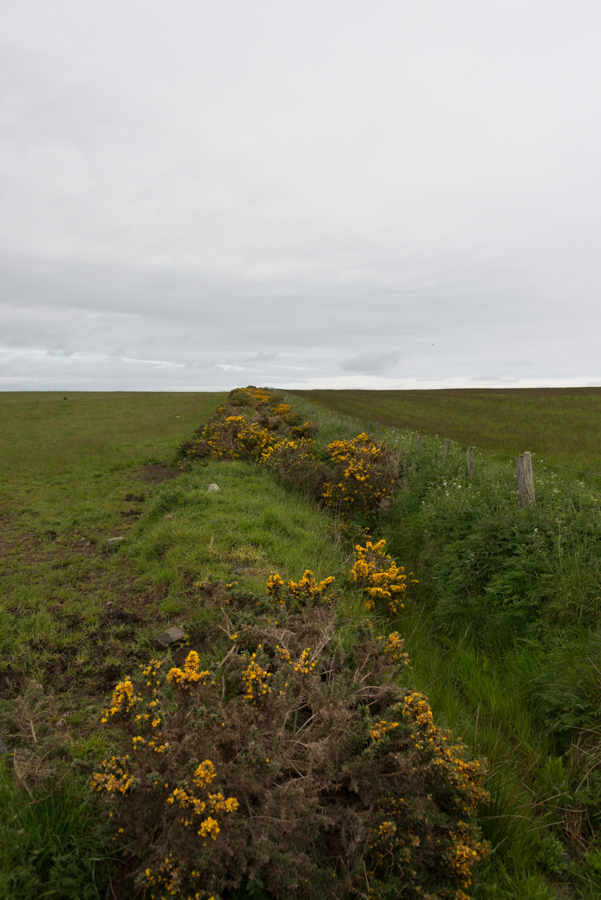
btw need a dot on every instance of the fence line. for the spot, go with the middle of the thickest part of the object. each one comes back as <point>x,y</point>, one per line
<point>524,462</point>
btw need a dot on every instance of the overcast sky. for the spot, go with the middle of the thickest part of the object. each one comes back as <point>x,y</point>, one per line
<point>197,195</point>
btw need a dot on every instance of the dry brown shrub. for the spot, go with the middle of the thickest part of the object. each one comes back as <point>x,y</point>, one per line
<point>293,757</point>
<point>295,464</point>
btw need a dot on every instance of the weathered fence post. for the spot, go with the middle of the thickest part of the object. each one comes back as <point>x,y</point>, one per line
<point>445,451</point>
<point>418,438</point>
<point>525,479</point>
<point>393,433</point>
<point>358,425</point>
<point>350,425</point>
<point>378,429</point>
<point>369,428</point>
<point>471,469</point>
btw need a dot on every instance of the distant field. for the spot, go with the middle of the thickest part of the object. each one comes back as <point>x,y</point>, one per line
<point>559,425</point>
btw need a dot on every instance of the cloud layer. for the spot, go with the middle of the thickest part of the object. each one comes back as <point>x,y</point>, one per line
<point>201,195</point>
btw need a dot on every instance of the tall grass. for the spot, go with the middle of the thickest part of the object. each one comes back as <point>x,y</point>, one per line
<point>48,844</point>
<point>505,639</point>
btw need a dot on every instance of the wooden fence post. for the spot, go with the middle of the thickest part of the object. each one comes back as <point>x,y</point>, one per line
<point>418,438</point>
<point>445,451</point>
<point>378,429</point>
<point>369,428</point>
<point>393,433</point>
<point>525,479</point>
<point>470,462</point>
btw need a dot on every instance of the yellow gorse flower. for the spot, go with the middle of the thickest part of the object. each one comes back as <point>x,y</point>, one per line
<point>189,674</point>
<point>256,681</point>
<point>379,576</point>
<point>123,700</point>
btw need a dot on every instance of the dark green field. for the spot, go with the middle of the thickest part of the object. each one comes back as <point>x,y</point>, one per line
<point>559,425</point>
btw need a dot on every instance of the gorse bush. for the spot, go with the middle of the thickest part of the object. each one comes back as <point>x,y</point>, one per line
<point>286,754</point>
<point>366,476</point>
<point>353,478</point>
<point>286,757</point>
<point>250,423</point>
<point>295,463</point>
<point>380,578</point>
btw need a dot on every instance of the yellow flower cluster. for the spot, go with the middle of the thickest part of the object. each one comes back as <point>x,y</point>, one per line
<point>301,591</point>
<point>256,681</point>
<point>304,665</point>
<point>366,477</point>
<point>465,775</point>
<point>191,806</point>
<point>248,396</point>
<point>307,587</point>
<point>394,648</point>
<point>379,576</point>
<point>286,412</point>
<point>274,587</point>
<point>235,438</point>
<point>296,453</point>
<point>123,700</point>
<point>115,776</point>
<point>190,673</point>
<point>380,729</point>
<point>204,774</point>
<point>464,854</point>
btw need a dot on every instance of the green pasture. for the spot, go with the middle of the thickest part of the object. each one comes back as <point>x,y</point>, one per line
<point>75,617</point>
<point>558,425</point>
<point>504,632</point>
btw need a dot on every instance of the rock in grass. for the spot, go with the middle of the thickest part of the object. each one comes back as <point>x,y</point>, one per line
<point>171,636</point>
<point>213,488</point>
<point>113,543</point>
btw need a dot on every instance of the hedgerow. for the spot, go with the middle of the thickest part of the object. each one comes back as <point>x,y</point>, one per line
<point>278,753</point>
<point>356,477</point>
<point>287,757</point>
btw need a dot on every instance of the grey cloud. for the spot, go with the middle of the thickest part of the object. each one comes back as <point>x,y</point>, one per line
<point>370,362</point>
<point>185,206</point>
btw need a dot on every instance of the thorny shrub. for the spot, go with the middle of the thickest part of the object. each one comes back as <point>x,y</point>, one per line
<point>249,423</point>
<point>365,478</point>
<point>353,478</point>
<point>295,463</point>
<point>287,757</point>
<point>379,576</point>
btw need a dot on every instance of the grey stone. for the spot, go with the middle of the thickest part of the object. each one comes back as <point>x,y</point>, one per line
<point>171,636</point>
<point>213,488</point>
<point>112,543</point>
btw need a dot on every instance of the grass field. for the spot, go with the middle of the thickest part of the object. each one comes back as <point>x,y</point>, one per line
<point>504,635</point>
<point>558,425</point>
<point>75,618</point>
